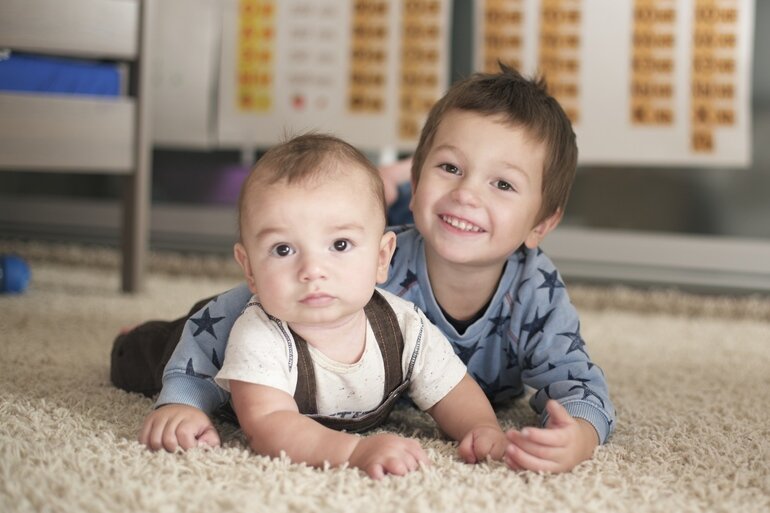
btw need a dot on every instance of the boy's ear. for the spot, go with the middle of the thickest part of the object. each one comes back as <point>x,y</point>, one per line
<point>239,251</point>
<point>387,248</point>
<point>543,228</point>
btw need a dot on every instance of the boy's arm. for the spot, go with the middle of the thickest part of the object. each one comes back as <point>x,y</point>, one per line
<point>466,415</point>
<point>571,393</point>
<point>552,354</point>
<point>189,395</point>
<point>189,375</point>
<point>273,425</point>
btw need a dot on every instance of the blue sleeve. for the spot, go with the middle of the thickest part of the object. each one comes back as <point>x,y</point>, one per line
<point>553,355</point>
<point>189,375</point>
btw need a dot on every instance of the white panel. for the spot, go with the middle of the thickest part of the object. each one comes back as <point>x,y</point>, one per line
<point>106,28</point>
<point>66,133</point>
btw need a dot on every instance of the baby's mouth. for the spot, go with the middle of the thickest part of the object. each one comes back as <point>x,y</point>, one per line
<point>460,224</point>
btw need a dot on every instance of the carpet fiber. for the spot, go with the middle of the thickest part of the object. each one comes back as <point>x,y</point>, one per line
<point>690,376</point>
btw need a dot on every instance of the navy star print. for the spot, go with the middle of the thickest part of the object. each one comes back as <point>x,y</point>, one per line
<point>206,323</point>
<point>466,353</point>
<point>498,325</point>
<point>551,282</point>
<point>535,325</point>
<point>411,279</point>
<point>190,371</point>
<point>587,392</point>
<point>576,341</point>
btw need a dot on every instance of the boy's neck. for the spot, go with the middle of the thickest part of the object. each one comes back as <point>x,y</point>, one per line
<point>343,341</point>
<point>462,290</point>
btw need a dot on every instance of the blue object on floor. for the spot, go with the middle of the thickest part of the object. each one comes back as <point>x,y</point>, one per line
<point>14,274</point>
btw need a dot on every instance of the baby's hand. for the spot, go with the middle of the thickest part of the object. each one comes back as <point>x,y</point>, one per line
<point>382,454</point>
<point>178,425</point>
<point>559,447</point>
<point>481,442</point>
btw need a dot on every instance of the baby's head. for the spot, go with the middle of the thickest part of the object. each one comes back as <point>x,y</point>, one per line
<point>521,103</point>
<point>306,160</point>
<point>312,220</point>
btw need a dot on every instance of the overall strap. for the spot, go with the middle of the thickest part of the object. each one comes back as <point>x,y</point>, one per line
<point>389,338</point>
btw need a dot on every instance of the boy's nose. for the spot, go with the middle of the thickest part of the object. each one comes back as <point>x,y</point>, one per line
<point>311,269</point>
<point>466,194</point>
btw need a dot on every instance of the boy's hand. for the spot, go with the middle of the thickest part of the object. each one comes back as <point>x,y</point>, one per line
<point>178,425</point>
<point>382,454</point>
<point>559,447</point>
<point>481,442</point>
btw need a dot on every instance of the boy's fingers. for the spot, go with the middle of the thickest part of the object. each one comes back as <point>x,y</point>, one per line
<point>558,414</point>
<point>553,437</point>
<point>544,452</point>
<point>527,461</point>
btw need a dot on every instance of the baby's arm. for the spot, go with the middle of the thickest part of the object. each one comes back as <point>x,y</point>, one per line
<point>466,415</point>
<point>272,424</point>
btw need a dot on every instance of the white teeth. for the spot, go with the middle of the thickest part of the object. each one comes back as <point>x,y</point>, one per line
<point>461,225</point>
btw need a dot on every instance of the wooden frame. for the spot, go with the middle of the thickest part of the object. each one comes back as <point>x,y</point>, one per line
<point>69,133</point>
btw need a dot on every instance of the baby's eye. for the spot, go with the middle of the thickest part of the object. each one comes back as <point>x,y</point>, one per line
<point>282,250</point>
<point>341,245</point>
<point>504,186</point>
<point>449,168</point>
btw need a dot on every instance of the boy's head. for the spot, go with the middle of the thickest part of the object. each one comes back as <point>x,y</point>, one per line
<point>522,103</point>
<point>312,242</point>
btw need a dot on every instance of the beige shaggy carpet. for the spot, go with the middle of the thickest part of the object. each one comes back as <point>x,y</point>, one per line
<point>690,376</point>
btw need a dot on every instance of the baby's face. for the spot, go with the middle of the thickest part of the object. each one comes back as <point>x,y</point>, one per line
<point>480,190</point>
<point>315,251</point>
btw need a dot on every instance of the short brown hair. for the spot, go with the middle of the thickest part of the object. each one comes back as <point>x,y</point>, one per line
<point>523,103</point>
<point>306,158</point>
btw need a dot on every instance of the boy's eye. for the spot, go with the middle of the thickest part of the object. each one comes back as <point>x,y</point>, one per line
<point>449,168</point>
<point>504,186</point>
<point>282,250</point>
<point>341,245</point>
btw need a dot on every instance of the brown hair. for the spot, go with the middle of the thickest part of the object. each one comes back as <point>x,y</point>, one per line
<point>523,103</point>
<point>307,158</point>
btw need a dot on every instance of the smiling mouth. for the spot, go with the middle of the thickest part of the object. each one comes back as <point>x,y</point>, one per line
<point>461,225</point>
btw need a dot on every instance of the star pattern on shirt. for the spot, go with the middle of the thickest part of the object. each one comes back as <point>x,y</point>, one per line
<point>499,324</point>
<point>551,282</point>
<point>190,370</point>
<point>409,280</point>
<point>205,323</point>
<point>576,341</point>
<point>492,389</point>
<point>536,325</point>
<point>529,364</point>
<point>215,359</point>
<point>587,392</point>
<point>466,353</point>
<point>519,288</point>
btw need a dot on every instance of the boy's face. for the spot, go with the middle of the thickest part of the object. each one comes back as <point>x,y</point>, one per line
<point>314,252</point>
<point>480,190</point>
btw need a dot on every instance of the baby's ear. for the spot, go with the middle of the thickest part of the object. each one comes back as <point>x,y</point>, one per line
<point>543,228</point>
<point>387,248</point>
<point>242,257</point>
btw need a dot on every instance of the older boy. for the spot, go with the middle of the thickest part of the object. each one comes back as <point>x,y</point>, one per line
<point>491,176</point>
